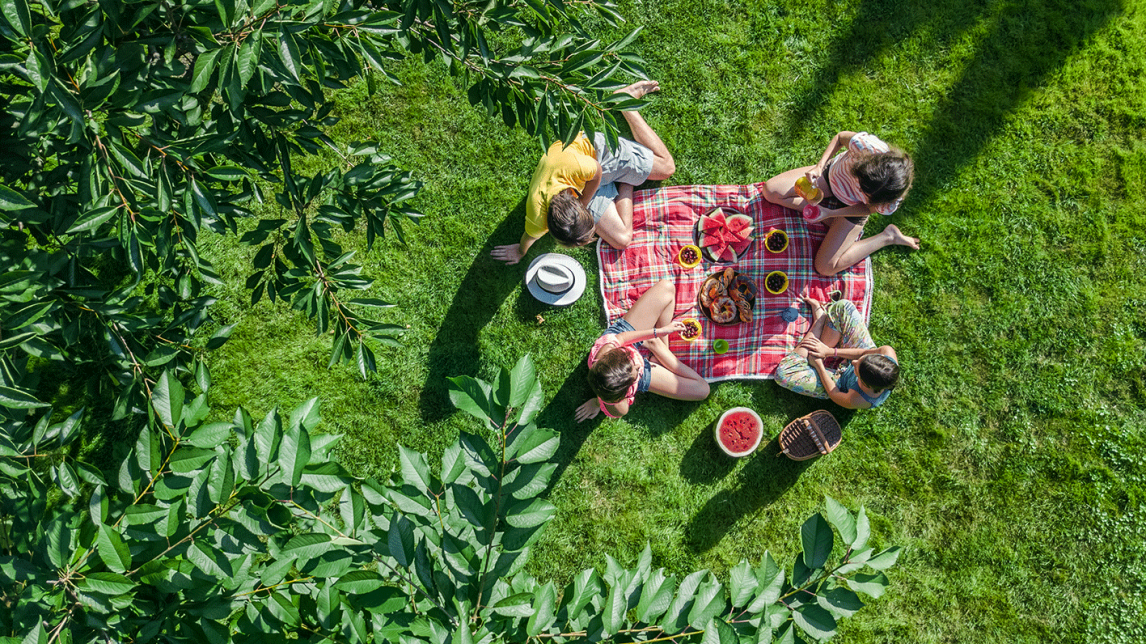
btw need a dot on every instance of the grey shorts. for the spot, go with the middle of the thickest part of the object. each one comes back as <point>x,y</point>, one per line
<point>630,163</point>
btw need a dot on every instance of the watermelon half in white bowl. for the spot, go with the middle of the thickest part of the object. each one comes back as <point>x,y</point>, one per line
<point>738,432</point>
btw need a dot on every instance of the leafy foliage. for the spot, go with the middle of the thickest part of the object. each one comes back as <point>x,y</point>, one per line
<point>134,130</point>
<point>246,530</point>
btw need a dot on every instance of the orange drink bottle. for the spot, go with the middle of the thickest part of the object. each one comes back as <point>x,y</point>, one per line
<point>807,191</point>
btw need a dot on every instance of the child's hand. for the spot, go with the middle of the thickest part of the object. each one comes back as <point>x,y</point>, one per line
<point>813,175</point>
<point>816,349</point>
<point>510,253</point>
<point>676,326</point>
<point>589,409</point>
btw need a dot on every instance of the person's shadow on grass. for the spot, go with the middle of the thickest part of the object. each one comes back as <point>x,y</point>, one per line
<point>488,282</point>
<point>766,477</point>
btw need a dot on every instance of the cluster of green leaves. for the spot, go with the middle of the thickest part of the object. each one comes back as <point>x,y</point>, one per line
<point>133,130</point>
<point>242,531</point>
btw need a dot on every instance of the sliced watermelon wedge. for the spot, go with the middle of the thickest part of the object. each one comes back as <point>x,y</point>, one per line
<point>729,255</point>
<point>710,225</point>
<point>741,246</point>
<point>717,215</point>
<point>738,223</point>
<point>714,239</point>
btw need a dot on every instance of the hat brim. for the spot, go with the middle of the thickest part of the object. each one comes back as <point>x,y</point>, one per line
<point>564,298</point>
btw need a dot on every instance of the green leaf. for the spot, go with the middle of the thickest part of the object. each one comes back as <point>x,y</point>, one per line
<point>518,605</point>
<point>167,399</point>
<point>533,445</point>
<point>129,161</point>
<point>13,201</point>
<point>885,559</point>
<point>871,585</point>
<point>522,381</point>
<point>221,480</point>
<point>840,602</point>
<point>473,397</point>
<point>544,603</point>
<point>742,583</point>
<point>863,530</point>
<point>841,519</point>
<point>613,612</point>
<point>527,514</point>
<point>817,538</point>
<point>815,621</point>
<point>189,459</point>
<point>268,435</point>
<point>209,560</point>
<point>675,619</point>
<point>415,471</point>
<point>66,477</point>
<point>205,65</point>
<point>220,336</point>
<point>307,414</point>
<point>211,435</point>
<point>308,546</point>
<point>359,582</point>
<point>289,52</point>
<point>400,539</point>
<point>771,578</point>
<point>107,583</point>
<point>655,596</point>
<point>248,57</point>
<point>294,454</point>
<point>112,549</point>
<point>708,603</point>
<point>17,14</point>
<point>37,635</point>
<point>16,399</point>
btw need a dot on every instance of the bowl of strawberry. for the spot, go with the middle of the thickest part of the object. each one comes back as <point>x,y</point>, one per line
<point>738,432</point>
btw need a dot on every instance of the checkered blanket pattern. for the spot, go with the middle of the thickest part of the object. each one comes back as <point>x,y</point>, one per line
<point>664,220</point>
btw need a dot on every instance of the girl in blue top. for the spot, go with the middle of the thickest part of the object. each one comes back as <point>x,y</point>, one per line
<point>869,374</point>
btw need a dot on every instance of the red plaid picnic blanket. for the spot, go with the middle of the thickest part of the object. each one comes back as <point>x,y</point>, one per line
<point>664,220</point>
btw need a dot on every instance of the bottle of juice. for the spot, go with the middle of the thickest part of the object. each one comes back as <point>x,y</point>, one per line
<point>807,191</point>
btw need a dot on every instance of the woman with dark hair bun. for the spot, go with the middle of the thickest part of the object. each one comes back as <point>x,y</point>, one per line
<point>865,175</point>
<point>838,331</point>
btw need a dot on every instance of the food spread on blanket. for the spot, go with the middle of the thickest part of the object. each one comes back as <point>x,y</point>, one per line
<point>688,256</point>
<point>776,282</point>
<point>727,297</point>
<point>776,240</point>
<point>724,237</point>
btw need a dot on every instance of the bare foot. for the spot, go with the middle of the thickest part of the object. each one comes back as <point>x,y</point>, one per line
<point>816,306</point>
<point>899,238</point>
<point>640,88</point>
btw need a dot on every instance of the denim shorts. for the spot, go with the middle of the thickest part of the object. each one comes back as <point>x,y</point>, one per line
<point>620,326</point>
<point>630,163</point>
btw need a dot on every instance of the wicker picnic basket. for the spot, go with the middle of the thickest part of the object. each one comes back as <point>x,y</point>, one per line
<point>810,436</point>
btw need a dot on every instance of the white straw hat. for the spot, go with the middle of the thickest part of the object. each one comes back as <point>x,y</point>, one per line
<point>555,279</point>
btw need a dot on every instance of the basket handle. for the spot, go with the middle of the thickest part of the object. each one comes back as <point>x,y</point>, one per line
<point>817,435</point>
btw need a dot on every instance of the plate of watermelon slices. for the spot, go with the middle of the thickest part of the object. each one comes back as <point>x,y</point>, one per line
<point>724,235</point>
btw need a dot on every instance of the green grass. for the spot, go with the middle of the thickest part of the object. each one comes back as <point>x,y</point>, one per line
<point>1010,459</point>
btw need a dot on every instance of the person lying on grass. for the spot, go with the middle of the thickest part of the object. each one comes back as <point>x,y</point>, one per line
<point>866,176</point>
<point>617,373</point>
<point>839,332</point>
<point>586,189</point>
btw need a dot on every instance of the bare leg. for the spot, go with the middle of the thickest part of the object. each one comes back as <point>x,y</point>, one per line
<point>663,164</point>
<point>841,250</point>
<point>819,321</point>
<point>655,307</point>
<point>781,189</point>
<point>616,225</point>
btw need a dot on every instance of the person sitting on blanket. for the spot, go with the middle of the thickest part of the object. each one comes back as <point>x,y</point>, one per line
<point>617,373</point>
<point>871,371</point>
<point>867,176</point>
<point>586,189</point>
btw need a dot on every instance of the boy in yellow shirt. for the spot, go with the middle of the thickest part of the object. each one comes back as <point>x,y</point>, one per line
<point>586,190</point>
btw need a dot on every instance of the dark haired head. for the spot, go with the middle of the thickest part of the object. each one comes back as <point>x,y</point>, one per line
<point>884,177</point>
<point>611,376</point>
<point>569,222</point>
<point>878,372</point>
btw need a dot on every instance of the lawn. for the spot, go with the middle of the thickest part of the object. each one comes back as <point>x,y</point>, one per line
<point>1011,459</point>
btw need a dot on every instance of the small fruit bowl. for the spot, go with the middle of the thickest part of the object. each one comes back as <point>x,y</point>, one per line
<point>691,331</point>
<point>776,282</point>
<point>776,241</point>
<point>738,432</point>
<point>688,256</point>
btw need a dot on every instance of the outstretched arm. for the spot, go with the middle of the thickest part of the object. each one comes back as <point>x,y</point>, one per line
<point>640,335</point>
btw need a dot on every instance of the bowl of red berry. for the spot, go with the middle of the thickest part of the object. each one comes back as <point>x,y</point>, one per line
<point>776,282</point>
<point>691,330</point>
<point>776,241</point>
<point>688,256</point>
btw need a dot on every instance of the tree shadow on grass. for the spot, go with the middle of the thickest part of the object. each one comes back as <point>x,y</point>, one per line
<point>764,479</point>
<point>488,282</point>
<point>1024,43</point>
